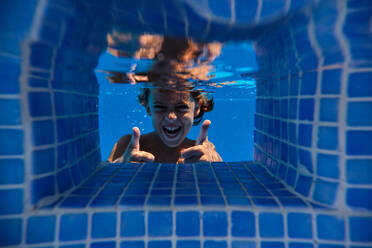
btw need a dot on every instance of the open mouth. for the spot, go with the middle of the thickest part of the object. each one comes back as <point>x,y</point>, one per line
<point>171,132</point>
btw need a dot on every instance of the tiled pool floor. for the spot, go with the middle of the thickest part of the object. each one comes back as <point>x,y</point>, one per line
<point>219,185</point>
<point>193,205</point>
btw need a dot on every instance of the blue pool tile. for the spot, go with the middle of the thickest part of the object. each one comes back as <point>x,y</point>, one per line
<point>212,200</point>
<point>238,201</point>
<point>159,223</point>
<point>185,191</point>
<point>188,244</point>
<point>271,225</point>
<point>11,142</point>
<point>328,109</point>
<point>300,245</point>
<point>103,225</point>
<point>325,191</point>
<point>41,55</point>
<point>308,85</point>
<point>359,198</point>
<point>359,114</point>
<point>272,8</point>
<point>321,245</point>
<point>40,104</point>
<point>185,200</point>
<point>293,87</point>
<point>245,11</point>
<point>359,84</point>
<point>75,202</point>
<point>108,244</point>
<point>292,202</point>
<point>267,244</point>
<point>284,152</point>
<point>160,244</point>
<point>358,142</point>
<point>292,134</point>
<point>43,161</point>
<point>328,138</point>
<point>331,81</point>
<point>73,227</point>
<point>243,244</point>
<point>305,133</point>
<point>220,8</point>
<point>306,109</point>
<point>133,201</point>
<point>104,201</point>
<point>188,223</point>
<point>214,223</point>
<point>11,201</point>
<point>132,224</point>
<point>159,201</point>
<point>215,244</point>
<point>132,244</point>
<point>360,229</point>
<point>10,117</point>
<point>303,185</point>
<point>40,229</point>
<point>293,155</point>
<point>284,108</point>
<point>265,202</point>
<point>306,159</point>
<point>293,108</point>
<point>11,171</point>
<point>299,225</point>
<point>359,171</point>
<point>161,192</point>
<point>10,232</point>
<point>42,132</point>
<point>242,224</point>
<point>330,227</point>
<point>291,176</point>
<point>64,180</point>
<point>327,165</point>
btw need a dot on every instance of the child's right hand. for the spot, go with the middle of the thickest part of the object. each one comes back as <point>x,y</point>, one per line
<point>133,152</point>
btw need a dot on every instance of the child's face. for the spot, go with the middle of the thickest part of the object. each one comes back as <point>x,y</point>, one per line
<point>172,114</point>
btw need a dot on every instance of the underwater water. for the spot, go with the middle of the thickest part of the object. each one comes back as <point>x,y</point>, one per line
<point>302,69</point>
<point>234,96</point>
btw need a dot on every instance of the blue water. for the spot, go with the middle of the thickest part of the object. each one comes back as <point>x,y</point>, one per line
<point>232,117</point>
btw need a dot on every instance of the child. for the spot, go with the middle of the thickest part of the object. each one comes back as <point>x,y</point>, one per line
<point>173,112</point>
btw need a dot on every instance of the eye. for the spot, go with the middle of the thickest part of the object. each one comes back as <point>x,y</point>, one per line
<point>159,108</point>
<point>182,108</point>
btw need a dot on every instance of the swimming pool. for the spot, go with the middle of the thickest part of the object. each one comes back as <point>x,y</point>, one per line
<point>309,184</point>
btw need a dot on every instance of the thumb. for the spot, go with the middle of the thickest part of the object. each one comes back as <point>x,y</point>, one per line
<point>203,135</point>
<point>134,142</point>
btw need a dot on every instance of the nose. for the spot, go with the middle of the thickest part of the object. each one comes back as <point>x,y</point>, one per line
<point>171,115</point>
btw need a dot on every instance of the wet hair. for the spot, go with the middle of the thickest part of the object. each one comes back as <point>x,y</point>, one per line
<point>206,103</point>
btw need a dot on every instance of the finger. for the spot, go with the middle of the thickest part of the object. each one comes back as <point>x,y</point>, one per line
<point>203,135</point>
<point>142,156</point>
<point>134,141</point>
<point>194,151</point>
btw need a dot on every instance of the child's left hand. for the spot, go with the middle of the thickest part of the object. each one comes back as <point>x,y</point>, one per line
<point>203,151</point>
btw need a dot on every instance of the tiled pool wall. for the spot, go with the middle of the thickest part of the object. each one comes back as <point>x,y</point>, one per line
<point>313,132</point>
<point>314,104</point>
